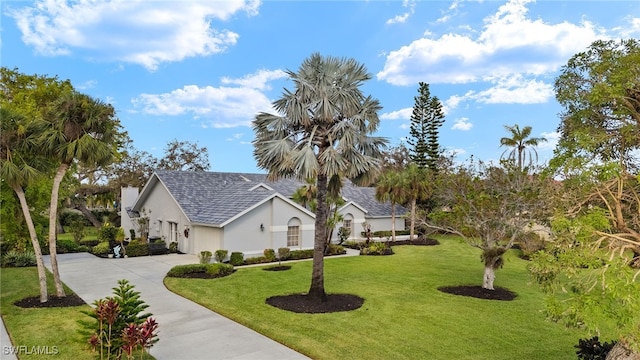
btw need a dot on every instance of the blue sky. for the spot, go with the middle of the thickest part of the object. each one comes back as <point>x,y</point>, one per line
<point>201,70</point>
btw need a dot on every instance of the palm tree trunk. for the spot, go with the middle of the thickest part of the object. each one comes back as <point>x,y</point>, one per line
<point>413,218</point>
<point>316,291</point>
<point>53,216</point>
<point>393,221</point>
<point>42,274</point>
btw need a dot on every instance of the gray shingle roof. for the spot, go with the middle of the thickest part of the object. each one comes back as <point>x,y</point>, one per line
<point>216,197</point>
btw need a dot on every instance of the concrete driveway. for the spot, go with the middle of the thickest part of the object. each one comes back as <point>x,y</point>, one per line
<point>187,330</point>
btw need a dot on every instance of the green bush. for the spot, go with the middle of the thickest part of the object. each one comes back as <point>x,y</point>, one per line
<point>352,244</point>
<point>284,253</point>
<point>108,233</point>
<point>78,230</point>
<point>301,254</point>
<point>64,246</point>
<point>205,257</point>
<point>89,242</point>
<point>221,255</point>
<point>19,259</point>
<point>236,259</point>
<point>257,260</point>
<point>137,248</point>
<point>270,254</point>
<point>158,247</point>
<point>102,248</point>
<point>377,248</point>
<point>213,270</point>
<point>387,233</point>
<point>336,249</point>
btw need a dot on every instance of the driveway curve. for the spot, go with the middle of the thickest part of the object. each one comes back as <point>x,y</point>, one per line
<point>187,330</point>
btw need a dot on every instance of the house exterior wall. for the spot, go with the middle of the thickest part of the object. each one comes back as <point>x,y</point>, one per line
<point>128,196</point>
<point>205,238</point>
<point>357,217</point>
<point>384,223</point>
<point>161,209</point>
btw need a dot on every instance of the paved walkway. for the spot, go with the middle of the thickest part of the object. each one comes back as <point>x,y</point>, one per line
<point>187,330</point>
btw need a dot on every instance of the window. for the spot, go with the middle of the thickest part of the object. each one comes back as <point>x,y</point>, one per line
<point>293,232</point>
<point>173,232</point>
<point>347,223</point>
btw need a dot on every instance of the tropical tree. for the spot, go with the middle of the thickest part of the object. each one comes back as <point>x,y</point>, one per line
<point>322,130</point>
<point>78,128</point>
<point>389,188</point>
<point>184,155</point>
<point>416,185</point>
<point>426,119</point>
<point>522,144</point>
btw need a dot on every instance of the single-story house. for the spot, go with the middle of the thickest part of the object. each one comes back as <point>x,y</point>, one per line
<point>241,212</point>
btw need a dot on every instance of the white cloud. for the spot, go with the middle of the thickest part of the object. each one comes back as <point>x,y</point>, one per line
<point>402,114</point>
<point>462,124</point>
<point>218,107</point>
<point>509,43</point>
<point>135,31</point>
<point>514,90</point>
<point>399,19</point>
<point>552,141</point>
<point>258,80</point>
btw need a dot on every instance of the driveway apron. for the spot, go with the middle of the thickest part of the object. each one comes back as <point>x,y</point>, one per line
<point>186,330</point>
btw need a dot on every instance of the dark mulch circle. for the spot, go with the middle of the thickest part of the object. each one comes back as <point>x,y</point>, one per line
<point>479,292</point>
<point>300,303</point>
<point>418,241</point>
<point>54,301</point>
<point>277,268</point>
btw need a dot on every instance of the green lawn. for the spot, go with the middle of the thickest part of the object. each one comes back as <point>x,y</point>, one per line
<point>404,315</point>
<point>44,327</point>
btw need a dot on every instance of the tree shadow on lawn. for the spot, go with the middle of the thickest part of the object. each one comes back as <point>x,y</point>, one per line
<point>301,303</point>
<point>479,292</point>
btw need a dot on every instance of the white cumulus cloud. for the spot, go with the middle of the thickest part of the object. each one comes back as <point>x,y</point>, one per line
<point>135,31</point>
<point>462,124</point>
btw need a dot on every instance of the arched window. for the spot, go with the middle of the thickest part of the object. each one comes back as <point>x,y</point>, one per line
<point>293,232</point>
<point>347,223</point>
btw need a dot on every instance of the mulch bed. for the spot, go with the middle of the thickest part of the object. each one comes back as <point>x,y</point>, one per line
<point>418,241</point>
<point>479,292</point>
<point>54,301</point>
<point>300,303</point>
<point>277,268</point>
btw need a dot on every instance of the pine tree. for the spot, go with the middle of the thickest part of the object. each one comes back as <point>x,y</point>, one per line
<point>426,120</point>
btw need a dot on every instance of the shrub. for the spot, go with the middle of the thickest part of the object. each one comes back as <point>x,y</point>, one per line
<point>270,254</point>
<point>19,259</point>
<point>137,248</point>
<point>236,259</point>
<point>257,260</point>
<point>157,247</point>
<point>102,248</point>
<point>377,248</point>
<point>213,270</point>
<point>352,244</point>
<point>220,255</point>
<point>90,242</point>
<point>132,234</point>
<point>108,233</point>
<point>301,254</point>
<point>64,246</point>
<point>336,250</point>
<point>78,230</point>
<point>205,257</point>
<point>592,349</point>
<point>284,253</point>
<point>173,247</point>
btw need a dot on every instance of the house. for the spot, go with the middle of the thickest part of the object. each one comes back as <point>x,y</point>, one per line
<point>240,212</point>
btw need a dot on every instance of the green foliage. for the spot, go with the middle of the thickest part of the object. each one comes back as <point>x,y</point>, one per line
<point>89,242</point>
<point>113,315</point>
<point>108,233</point>
<point>67,246</point>
<point>377,248</point>
<point>301,254</point>
<point>257,260</point>
<point>213,270</point>
<point>335,249</point>
<point>426,119</point>
<point>270,254</point>
<point>137,248</point>
<point>592,349</point>
<point>236,259</point>
<point>15,258</point>
<point>284,253</point>
<point>343,234</point>
<point>173,247</point>
<point>205,257</point>
<point>221,255</point>
<point>77,228</point>
<point>102,248</point>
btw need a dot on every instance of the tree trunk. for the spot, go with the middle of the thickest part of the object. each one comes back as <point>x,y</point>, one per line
<point>393,221</point>
<point>316,291</point>
<point>42,274</point>
<point>489,277</point>
<point>89,215</point>
<point>413,218</point>
<point>622,352</point>
<point>53,217</point>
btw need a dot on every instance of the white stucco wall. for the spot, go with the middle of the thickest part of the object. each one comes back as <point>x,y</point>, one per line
<point>205,238</point>
<point>357,217</point>
<point>128,196</point>
<point>384,223</point>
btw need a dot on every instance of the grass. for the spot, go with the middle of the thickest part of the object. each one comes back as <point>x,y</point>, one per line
<point>90,233</point>
<point>44,327</point>
<point>404,315</point>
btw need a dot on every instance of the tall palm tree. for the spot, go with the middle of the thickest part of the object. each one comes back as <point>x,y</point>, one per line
<point>79,128</point>
<point>389,188</point>
<point>416,185</point>
<point>322,131</point>
<point>521,144</point>
<point>17,173</point>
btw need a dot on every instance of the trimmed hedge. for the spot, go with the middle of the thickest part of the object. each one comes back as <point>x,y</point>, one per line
<point>137,248</point>
<point>270,254</point>
<point>236,259</point>
<point>377,248</point>
<point>257,260</point>
<point>201,270</point>
<point>102,248</point>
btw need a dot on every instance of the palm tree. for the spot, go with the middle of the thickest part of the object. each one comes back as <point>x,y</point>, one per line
<point>322,131</point>
<point>79,128</point>
<point>416,185</point>
<point>17,174</point>
<point>389,188</point>
<point>520,141</point>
